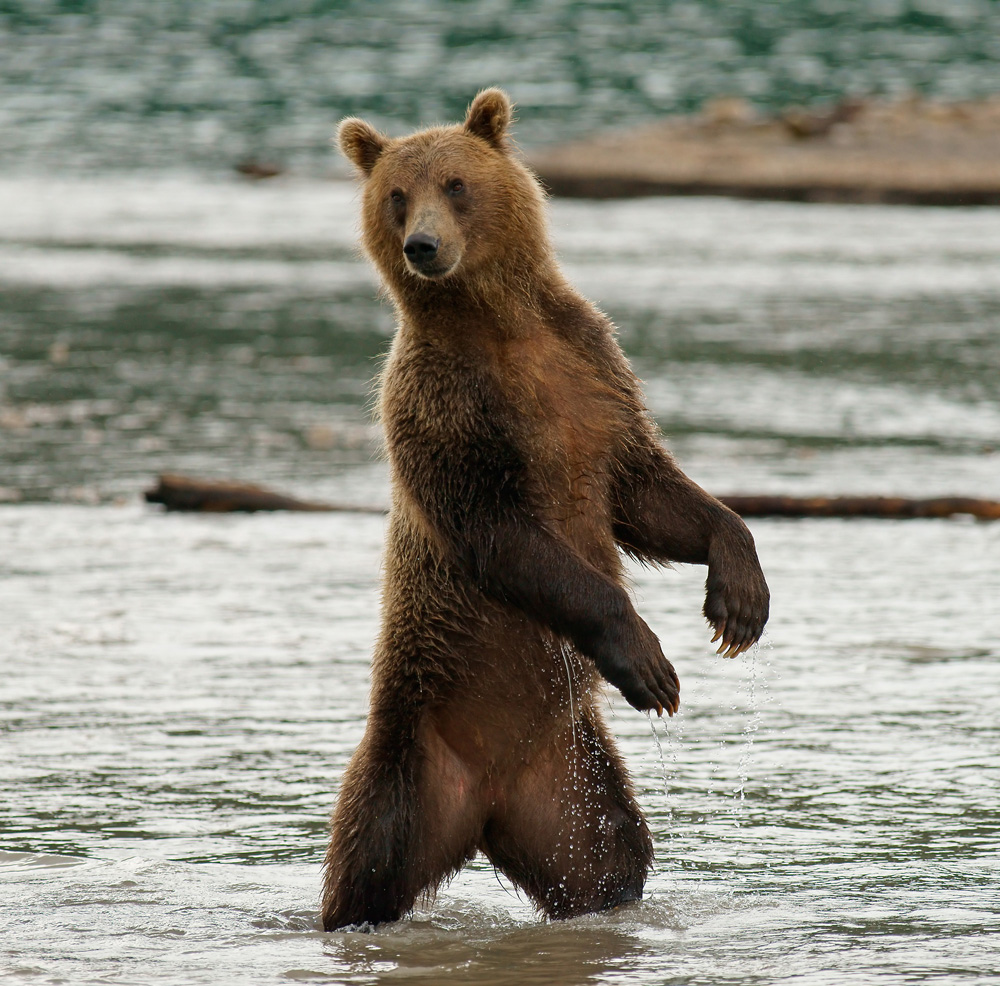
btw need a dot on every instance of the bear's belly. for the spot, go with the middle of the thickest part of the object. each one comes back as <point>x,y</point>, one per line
<point>444,644</point>
<point>521,691</point>
<point>453,643</point>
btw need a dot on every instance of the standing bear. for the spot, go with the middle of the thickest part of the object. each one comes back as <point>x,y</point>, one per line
<point>523,461</point>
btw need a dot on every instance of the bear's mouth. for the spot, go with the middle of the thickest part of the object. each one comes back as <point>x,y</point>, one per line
<point>432,269</point>
<point>431,272</point>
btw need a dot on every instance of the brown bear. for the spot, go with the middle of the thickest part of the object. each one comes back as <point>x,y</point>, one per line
<point>522,459</point>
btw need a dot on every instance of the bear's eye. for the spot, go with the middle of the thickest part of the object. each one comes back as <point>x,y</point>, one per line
<point>456,186</point>
<point>397,198</point>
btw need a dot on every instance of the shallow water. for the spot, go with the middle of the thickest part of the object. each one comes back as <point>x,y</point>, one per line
<point>177,715</point>
<point>180,694</point>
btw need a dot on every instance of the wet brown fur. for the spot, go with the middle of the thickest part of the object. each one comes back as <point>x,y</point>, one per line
<point>522,460</point>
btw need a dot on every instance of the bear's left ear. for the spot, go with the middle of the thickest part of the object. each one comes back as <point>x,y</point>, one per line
<point>360,143</point>
<point>489,116</point>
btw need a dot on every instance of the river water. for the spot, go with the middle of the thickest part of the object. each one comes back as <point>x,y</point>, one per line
<point>125,84</point>
<point>179,694</point>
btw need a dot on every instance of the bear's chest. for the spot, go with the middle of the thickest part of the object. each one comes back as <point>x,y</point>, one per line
<point>536,406</point>
<point>538,396</point>
<point>569,420</point>
<point>567,413</point>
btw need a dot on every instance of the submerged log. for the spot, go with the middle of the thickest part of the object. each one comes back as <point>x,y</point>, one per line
<point>184,493</point>
<point>892,507</point>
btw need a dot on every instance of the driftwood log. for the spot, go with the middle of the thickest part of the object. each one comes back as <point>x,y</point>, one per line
<point>893,507</point>
<point>183,493</point>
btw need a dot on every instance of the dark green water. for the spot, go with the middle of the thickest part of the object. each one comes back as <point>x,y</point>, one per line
<point>183,84</point>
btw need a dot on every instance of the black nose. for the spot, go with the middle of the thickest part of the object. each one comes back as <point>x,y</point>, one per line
<point>421,247</point>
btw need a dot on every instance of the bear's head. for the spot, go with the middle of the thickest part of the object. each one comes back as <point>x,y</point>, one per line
<point>450,205</point>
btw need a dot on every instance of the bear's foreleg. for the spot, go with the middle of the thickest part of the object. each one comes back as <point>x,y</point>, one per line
<point>662,516</point>
<point>540,574</point>
<point>568,830</point>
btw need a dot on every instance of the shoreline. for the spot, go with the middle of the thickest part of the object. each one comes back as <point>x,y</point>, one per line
<point>909,152</point>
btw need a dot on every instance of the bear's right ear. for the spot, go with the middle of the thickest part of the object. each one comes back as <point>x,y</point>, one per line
<point>360,143</point>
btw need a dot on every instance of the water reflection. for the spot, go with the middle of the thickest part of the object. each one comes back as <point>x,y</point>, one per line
<point>447,948</point>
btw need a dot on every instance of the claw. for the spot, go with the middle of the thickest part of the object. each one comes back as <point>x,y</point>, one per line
<point>659,710</point>
<point>718,633</point>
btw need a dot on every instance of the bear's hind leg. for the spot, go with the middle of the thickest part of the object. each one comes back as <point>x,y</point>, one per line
<point>405,820</point>
<point>568,831</point>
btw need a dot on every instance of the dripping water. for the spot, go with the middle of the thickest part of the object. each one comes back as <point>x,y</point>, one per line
<point>667,753</point>
<point>749,733</point>
<point>659,749</point>
<point>564,651</point>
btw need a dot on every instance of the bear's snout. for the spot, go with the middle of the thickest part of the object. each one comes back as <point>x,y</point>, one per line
<point>421,250</point>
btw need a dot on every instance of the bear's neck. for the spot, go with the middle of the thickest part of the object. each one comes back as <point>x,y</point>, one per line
<point>497,302</point>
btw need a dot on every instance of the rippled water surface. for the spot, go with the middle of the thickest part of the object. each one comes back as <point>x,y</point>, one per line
<point>132,84</point>
<point>179,694</point>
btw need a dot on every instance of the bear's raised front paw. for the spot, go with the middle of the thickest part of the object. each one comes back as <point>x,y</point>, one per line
<point>738,611</point>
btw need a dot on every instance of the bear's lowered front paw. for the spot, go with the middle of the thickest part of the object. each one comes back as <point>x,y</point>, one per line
<point>629,656</point>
